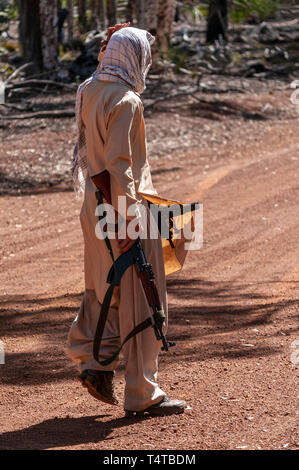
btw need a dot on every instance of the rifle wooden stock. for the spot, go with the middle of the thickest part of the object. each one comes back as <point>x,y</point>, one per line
<point>150,289</point>
<point>158,317</point>
<point>102,182</point>
<point>147,278</point>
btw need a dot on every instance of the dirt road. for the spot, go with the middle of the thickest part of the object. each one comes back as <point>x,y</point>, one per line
<point>233,308</point>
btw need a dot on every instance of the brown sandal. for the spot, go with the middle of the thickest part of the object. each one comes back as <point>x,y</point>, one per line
<point>99,384</point>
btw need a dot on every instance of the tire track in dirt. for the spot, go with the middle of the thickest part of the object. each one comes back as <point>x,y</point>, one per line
<point>262,211</point>
<point>46,239</point>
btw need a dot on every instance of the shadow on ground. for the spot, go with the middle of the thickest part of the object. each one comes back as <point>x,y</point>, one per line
<point>215,110</point>
<point>42,325</point>
<point>204,328</point>
<point>203,317</point>
<point>64,432</point>
<point>28,186</point>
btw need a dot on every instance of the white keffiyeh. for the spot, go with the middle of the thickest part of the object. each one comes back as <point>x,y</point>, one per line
<point>127,60</point>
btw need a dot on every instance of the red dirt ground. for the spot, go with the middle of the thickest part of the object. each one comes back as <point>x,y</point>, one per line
<point>233,310</point>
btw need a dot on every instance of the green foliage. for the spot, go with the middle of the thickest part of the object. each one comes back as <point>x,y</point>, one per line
<point>6,70</point>
<point>13,11</point>
<point>177,57</point>
<point>8,47</point>
<point>263,9</point>
<point>240,10</point>
<point>195,12</point>
<point>8,12</point>
<point>3,17</point>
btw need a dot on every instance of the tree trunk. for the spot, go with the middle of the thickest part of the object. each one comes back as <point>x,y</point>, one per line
<point>166,14</point>
<point>30,35</point>
<point>159,22</point>
<point>49,40</point>
<point>217,20</point>
<point>82,16</point>
<point>142,10</point>
<point>93,21</point>
<point>101,15</point>
<point>70,20</point>
<point>111,12</point>
<point>152,8</point>
<point>130,11</point>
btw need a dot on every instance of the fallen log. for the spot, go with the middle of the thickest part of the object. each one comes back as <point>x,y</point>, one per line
<point>35,82</point>
<point>40,115</point>
<point>16,72</point>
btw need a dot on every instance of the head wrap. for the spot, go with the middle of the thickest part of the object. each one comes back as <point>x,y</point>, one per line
<point>128,57</point>
<point>127,60</point>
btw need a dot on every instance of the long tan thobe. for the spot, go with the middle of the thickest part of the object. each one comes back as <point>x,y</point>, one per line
<point>115,137</point>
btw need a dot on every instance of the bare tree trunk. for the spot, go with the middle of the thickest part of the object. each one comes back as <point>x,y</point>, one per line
<point>166,14</point>
<point>130,11</point>
<point>82,15</point>
<point>30,35</point>
<point>151,15</point>
<point>111,12</point>
<point>217,20</point>
<point>70,20</point>
<point>101,15</point>
<point>142,10</point>
<point>93,15</point>
<point>159,22</point>
<point>49,41</point>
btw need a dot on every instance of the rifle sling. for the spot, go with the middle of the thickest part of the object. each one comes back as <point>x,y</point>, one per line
<point>100,329</point>
<point>115,274</point>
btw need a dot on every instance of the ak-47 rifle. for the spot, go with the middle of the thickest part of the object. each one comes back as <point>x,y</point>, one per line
<point>134,256</point>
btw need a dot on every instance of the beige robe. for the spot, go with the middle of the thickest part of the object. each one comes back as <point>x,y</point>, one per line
<point>115,137</point>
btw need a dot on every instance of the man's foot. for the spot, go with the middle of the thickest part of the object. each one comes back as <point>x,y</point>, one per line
<point>164,408</point>
<point>99,384</point>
